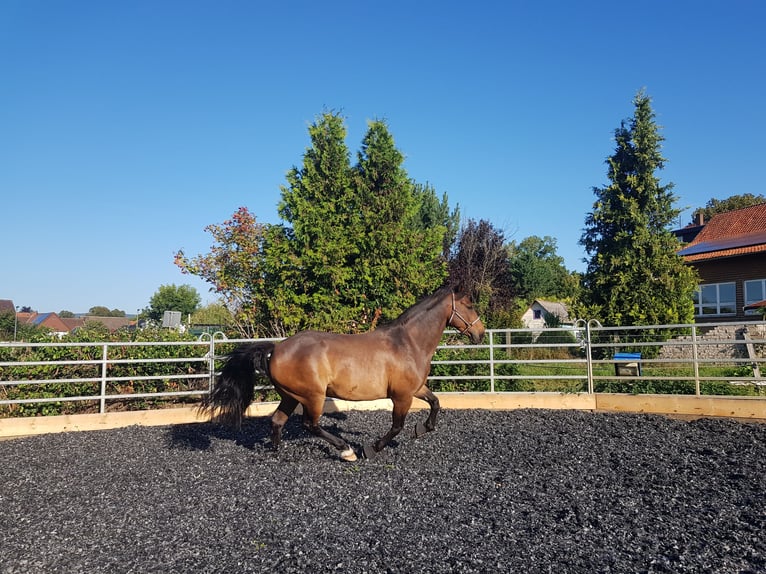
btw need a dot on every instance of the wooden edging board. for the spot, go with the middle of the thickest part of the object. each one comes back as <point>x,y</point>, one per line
<point>751,408</point>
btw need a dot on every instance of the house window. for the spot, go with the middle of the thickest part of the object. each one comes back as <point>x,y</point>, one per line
<point>716,299</point>
<point>755,291</point>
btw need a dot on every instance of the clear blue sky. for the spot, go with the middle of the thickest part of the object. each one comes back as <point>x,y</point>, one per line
<point>128,126</point>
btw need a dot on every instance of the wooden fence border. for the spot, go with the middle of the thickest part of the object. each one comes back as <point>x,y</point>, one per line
<point>747,408</point>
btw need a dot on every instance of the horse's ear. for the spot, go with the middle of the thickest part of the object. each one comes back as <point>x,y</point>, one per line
<point>459,288</point>
<point>454,285</point>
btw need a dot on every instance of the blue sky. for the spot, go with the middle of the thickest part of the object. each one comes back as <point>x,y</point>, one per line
<point>126,127</point>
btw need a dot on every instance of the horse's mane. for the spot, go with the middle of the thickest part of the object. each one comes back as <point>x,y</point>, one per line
<point>424,305</point>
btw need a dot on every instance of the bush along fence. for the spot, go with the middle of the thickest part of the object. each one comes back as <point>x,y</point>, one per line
<point>699,359</point>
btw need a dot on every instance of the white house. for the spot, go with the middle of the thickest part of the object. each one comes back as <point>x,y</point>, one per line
<point>534,316</point>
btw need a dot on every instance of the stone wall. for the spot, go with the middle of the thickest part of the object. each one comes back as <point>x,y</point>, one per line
<point>721,342</point>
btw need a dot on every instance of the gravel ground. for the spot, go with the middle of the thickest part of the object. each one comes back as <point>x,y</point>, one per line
<point>519,491</point>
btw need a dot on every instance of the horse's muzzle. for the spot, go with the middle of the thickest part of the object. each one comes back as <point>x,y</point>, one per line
<point>476,332</point>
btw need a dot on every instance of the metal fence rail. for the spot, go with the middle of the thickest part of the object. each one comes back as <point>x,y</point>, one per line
<point>105,366</point>
<point>697,359</point>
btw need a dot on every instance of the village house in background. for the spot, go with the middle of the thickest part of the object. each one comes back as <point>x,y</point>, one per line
<point>534,316</point>
<point>729,253</point>
<point>62,325</point>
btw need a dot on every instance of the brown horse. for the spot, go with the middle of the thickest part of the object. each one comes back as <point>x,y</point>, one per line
<point>392,362</point>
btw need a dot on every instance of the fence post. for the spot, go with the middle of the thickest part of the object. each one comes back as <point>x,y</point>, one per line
<point>491,362</point>
<point>695,359</point>
<point>589,358</point>
<point>104,367</point>
<point>751,352</point>
<point>211,365</point>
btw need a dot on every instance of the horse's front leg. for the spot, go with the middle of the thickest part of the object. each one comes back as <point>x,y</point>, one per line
<point>425,394</point>
<point>401,408</point>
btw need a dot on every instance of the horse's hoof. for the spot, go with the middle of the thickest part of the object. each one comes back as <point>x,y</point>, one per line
<point>369,451</point>
<point>420,430</point>
<point>348,455</point>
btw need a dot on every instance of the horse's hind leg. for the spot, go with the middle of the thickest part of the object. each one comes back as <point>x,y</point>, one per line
<point>311,414</point>
<point>399,414</point>
<point>425,394</point>
<point>279,418</point>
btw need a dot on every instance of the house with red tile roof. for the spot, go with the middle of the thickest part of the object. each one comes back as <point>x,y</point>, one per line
<point>62,326</point>
<point>50,320</point>
<point>729,253</point>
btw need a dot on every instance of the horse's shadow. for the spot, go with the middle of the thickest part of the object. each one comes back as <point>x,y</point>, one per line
<point>254,433</point>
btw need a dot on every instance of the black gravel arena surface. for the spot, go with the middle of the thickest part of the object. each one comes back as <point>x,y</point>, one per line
<point>518,491</point>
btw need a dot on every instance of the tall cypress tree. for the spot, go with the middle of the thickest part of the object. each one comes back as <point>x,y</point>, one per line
<point>634,274</point>
<point>354,248</point>
<point>399,255</point>
<point>435,212</point>
<point>318,203</point>
<point>358,243</point>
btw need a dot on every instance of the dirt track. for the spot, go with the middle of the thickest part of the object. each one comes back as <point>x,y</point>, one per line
<point>517,491</point>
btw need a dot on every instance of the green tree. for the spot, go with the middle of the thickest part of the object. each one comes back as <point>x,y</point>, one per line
<point>716,206</point>
<point>212,314</point>
<point>634,275</point>
<point>183,298</point>
<point>236,270</point>
<point>7,325</point>
<point>357,243</point>
<point>319,249</point>
<point>400,250</point>
<point>537,271</point>
<point>101,311</point>
<point>436,212</point>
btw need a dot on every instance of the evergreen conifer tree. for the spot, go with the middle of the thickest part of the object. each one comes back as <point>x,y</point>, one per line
<point>634,275</point>
<point>357,243</point>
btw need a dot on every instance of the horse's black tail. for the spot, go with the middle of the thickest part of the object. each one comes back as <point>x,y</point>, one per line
<point>233,391</point>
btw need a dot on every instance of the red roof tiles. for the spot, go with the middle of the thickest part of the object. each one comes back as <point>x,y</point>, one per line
<point>738,232</point>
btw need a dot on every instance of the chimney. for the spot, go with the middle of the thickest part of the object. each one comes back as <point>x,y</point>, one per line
<point>699,218</point>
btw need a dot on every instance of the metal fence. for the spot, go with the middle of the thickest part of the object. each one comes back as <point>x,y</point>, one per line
<point>709,358</point>
<point>697,359</point>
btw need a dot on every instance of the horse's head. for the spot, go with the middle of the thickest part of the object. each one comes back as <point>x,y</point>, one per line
<point>465,319</point>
